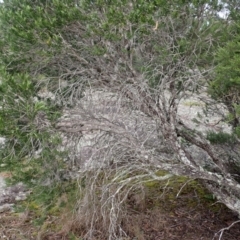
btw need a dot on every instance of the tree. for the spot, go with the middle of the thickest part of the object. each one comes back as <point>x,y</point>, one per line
<point>225,83</point>
<point>115,71</point>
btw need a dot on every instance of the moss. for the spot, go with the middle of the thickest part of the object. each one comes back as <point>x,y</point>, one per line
<point>178,191</point>
<point>151,184</point>
<point>194,104</point>
<point>161,173</point>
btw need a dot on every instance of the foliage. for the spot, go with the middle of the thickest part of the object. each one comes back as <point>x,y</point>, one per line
<point>49,206</point>
<point>145,56</point>
<point>220,138</point>
<point>26,124</point>
<point>226,83</point>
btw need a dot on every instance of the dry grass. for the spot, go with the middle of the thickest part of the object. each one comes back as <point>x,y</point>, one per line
<point>153,210</point>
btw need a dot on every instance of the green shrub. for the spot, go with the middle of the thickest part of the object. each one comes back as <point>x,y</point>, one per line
<point>220,138</point>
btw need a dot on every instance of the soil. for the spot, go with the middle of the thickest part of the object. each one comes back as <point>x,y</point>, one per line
<point>185,223</point>
<point>193,215</point>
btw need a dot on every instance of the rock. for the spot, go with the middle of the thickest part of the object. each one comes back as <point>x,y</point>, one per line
<point>6,207</point>
<point>2,141</point>
<point>12,194</point>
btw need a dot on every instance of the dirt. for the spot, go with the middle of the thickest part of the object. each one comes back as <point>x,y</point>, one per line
<point>193,215</point>
<point>188,217</point>
<point>183,222</point>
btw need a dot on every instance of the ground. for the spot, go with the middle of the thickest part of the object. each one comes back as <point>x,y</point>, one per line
<point>184,222</point>
<point>188,213</point>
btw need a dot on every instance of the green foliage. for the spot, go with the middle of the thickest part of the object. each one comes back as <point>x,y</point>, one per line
<point>49,206</point>
<point>220,138</point>
<point>237,131</point>
<point>227,71</point>
<point>30,27</point>
<point>19,124</point>
<point>225,85</point>
<point>49,39</point>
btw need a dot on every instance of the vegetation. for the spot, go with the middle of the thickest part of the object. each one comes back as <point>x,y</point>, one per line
<point>90,91</point>
<point>220,137</point>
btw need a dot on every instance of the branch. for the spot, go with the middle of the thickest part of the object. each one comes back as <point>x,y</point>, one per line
<point>224,229</point>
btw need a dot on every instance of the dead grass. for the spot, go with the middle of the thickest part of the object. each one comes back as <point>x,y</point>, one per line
<point>150,215</point>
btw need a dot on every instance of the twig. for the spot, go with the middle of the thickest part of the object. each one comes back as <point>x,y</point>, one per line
<point>183,187</point>
<point>223,229</point>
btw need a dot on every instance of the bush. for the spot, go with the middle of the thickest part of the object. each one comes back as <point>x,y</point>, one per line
<point>220,138</point>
